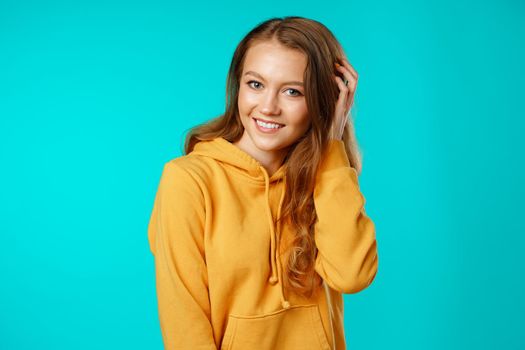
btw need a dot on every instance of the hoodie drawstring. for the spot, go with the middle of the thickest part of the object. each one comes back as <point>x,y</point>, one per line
<point>275,261</point>
<point>226,152</point>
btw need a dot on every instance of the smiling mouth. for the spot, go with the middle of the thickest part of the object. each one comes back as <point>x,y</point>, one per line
<point>263,121</point>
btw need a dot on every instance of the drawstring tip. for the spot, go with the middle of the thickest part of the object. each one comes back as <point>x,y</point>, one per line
<point>286,304</point>
<point>272,280</point>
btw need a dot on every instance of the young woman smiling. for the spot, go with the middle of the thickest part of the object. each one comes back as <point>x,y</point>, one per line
<point>260,227</point>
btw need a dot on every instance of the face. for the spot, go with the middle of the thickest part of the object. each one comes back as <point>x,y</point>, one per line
<point>272,90</point>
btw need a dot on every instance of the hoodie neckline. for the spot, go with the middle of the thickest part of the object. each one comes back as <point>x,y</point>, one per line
<point>227,152</point>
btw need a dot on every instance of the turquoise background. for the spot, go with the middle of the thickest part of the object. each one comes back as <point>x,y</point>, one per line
<point>96,96</point>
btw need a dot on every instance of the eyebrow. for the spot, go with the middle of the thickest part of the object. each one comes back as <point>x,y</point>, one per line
<point>300,83</point>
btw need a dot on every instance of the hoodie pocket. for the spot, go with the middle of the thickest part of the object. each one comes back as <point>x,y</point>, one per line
<point>297,328</point>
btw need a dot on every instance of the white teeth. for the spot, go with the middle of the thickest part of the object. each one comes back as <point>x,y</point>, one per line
<point>268,125</point>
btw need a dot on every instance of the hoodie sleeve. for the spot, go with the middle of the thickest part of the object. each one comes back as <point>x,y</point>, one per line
<point>344,235</point>
<point>175,235</point>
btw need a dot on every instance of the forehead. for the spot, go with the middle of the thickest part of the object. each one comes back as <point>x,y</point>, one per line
<point>274,61</point>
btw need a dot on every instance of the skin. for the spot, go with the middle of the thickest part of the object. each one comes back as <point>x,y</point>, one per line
<point>268,94</point>
<point>345,99</point>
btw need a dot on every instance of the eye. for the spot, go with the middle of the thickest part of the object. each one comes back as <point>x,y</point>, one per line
<point>298,93</point>
<point>253,81</point>
<point>255,85</point>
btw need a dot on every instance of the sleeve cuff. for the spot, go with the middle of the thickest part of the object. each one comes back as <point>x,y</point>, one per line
<point>335,156</point>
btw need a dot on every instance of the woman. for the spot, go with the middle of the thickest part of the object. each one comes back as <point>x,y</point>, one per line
<point>260,227</point>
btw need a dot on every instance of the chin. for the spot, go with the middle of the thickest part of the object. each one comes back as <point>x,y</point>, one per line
<point>267,143</point>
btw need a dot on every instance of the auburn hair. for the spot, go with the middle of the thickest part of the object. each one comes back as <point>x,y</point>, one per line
<point>322,50</point>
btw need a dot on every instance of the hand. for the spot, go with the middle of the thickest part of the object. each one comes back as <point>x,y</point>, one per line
<point>345,99</point>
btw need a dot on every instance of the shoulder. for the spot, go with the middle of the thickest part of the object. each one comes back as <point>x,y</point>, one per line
<point>180,189</point>
<point>190,170</point>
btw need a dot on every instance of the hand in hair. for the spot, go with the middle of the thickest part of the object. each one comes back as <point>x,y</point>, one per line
<point>345,99</point>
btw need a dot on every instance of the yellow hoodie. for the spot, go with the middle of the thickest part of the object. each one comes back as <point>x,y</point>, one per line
<point>220,264</point>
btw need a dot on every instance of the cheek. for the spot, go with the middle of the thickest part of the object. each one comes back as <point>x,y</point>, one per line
<point>245,101</point>
<point>240,99</point>
<point>301,118</point>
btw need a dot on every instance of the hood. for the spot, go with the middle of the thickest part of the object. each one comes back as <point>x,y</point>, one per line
<point>224,151</point>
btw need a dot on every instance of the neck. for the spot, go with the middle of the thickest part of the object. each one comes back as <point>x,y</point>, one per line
<point>270,160</point>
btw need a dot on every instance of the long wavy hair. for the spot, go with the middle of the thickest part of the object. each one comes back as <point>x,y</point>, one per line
<point>321,92</point>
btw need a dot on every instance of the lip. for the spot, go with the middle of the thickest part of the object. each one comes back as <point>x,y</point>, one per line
<point>263,130</point>
<point>268,121</point>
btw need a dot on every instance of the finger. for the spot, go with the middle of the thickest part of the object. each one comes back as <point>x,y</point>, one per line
<point>350,98</point>
<point>343,90</point>
<point>352,83</point>
<point>348,66</point>
<point>340,110</point>
<point>342,99</point>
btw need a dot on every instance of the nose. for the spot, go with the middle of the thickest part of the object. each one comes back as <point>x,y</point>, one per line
<point>270,104</point>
